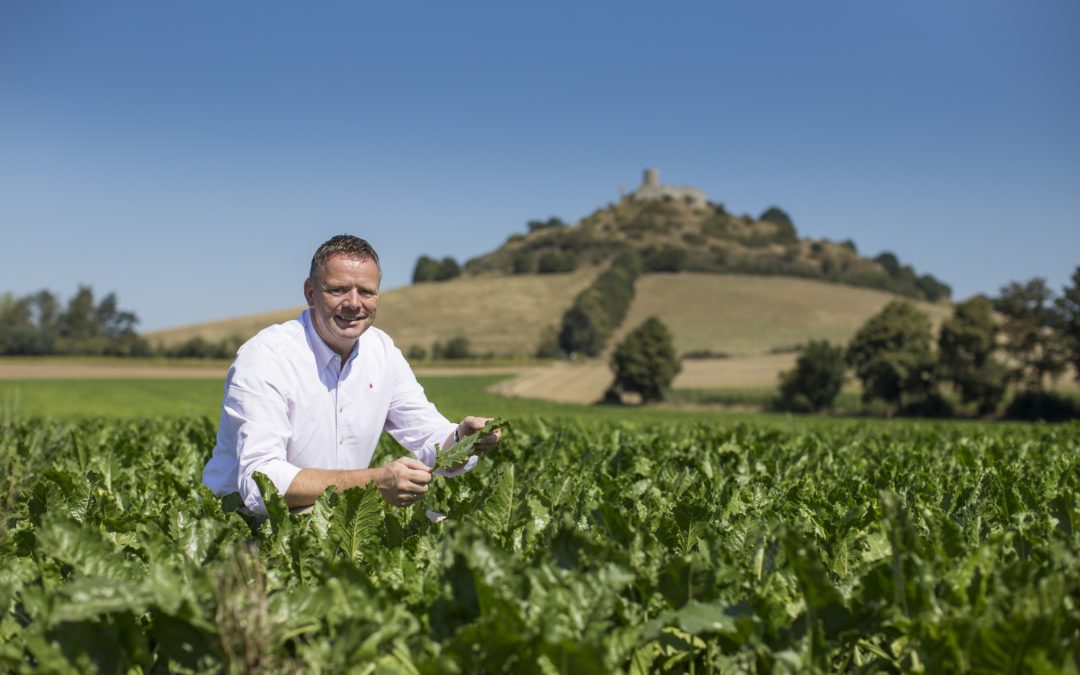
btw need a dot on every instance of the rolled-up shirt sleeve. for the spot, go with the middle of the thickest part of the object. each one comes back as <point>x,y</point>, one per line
<point>255,429</point>
<point>259,420</point>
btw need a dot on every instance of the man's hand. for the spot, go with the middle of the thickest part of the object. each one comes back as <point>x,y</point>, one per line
<point>471,425</point>
<point>403,481</point>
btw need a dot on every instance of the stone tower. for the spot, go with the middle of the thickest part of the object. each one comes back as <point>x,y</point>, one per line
<point>651,188</point>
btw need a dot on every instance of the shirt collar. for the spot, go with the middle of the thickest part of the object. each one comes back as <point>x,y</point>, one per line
<point>324,356</point>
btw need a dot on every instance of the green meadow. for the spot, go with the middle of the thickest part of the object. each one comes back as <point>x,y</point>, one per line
<point>456,396</point>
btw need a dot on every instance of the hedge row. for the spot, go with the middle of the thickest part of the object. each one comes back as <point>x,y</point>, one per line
<point>599,309</point>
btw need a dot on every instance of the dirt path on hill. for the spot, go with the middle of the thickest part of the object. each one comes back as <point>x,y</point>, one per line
<point>562,382</point>
<point>582,382</point>
<point>586,382</point>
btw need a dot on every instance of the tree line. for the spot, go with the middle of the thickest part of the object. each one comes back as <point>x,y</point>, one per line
<point>38,324</point>
<point>1022,340</point>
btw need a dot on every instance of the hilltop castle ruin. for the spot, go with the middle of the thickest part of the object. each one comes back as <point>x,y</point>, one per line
<point>652,189</point>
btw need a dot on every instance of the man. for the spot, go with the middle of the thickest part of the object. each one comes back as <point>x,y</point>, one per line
<point>306,401</point>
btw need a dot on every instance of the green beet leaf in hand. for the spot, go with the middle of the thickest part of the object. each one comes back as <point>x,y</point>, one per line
<point>459,452</point>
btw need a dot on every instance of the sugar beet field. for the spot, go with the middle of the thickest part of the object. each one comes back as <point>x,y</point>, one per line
<point>583,547</point>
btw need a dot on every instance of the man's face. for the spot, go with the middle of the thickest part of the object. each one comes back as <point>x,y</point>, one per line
<point>343,298</point>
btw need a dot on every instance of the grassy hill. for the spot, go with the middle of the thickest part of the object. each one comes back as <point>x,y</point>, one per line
<point>743,315</point>
<point>672,235</point>
<point>722,282</point>
<point>740,315</point>
<point>501,315</point>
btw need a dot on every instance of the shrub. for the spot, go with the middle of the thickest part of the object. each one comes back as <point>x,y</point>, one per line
<point>816,379</point>
<point>1040,406</point>
<point>200,348</point>
<point>522,263</point>
<point>555,262</point>
<point>548,347</point>
<point>454,348</point>
<point>666,259</point>
<point>416,353</point>
<point>693,239</point>
<point>705,354</point>
<point>551,223</point>
<point>716,227</point>
<point>932,405</point>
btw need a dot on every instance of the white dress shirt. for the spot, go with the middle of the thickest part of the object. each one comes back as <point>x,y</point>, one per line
<point>291,404</point>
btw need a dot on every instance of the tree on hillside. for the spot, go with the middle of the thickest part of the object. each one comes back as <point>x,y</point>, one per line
<point>555,262</point>
<point>1036,349</point>
<point>889,261</point>
<point>522,263</point>
<point>785,227</point>
<point>429,269</point>
<point>933,289</point>
<point>667,259</point>
<point>645,361</point>
<point>1068,306</point>
<point>551,223</point>
<point>585,327</point>
<point>966,347</point>
<point>815,381</point>
<point>448,269</point>
<point>426,269</point>
<point>891,355</point>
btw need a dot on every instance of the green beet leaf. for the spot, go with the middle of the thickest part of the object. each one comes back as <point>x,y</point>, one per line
<point>459,452</point>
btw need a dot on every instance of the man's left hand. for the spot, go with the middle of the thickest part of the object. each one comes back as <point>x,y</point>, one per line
<point>471,425</point>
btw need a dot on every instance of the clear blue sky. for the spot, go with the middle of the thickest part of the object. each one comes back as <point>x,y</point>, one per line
<point>191,155</point>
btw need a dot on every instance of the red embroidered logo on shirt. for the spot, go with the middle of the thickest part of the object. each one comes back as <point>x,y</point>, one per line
<point>370,385</point>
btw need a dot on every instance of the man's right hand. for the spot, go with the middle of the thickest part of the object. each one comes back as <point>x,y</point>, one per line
<point>404,481</point>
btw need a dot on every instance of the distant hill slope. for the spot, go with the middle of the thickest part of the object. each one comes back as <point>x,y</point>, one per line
<point>734,314</point>
<point>743,315</point>
<point>501,315</point>
<point>676,235</point>
<point>723,283</point>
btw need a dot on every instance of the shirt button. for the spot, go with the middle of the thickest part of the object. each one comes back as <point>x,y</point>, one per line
<point>341,409</point>
<point>341,441</point>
